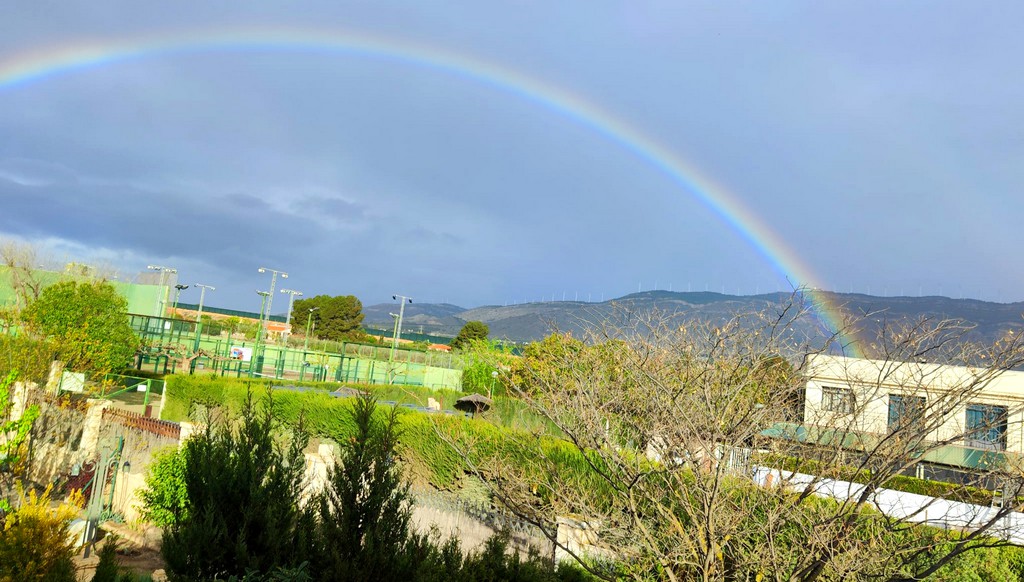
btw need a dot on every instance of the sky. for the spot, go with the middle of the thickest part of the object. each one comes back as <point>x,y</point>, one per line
<point>482,153</point>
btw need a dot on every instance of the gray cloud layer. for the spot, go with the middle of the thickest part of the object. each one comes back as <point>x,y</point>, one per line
<point>881,142</point>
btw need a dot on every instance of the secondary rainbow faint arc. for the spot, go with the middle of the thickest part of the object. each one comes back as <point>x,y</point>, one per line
<point>27,67</point>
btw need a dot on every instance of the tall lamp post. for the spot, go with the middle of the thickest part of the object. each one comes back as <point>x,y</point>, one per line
<point>288,318</point>
<point>391,356</point>
<point>202,295</point>
<point>401,312</point>
<point>177,293</point>
<point>199,315</point>
<point>402,299</point>
<point>309,318</point>
<point>161,303</point>
<point>264,295</point>
<point>270,297</point>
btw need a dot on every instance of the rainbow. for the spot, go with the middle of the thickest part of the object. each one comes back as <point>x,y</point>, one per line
<point>25,68</point>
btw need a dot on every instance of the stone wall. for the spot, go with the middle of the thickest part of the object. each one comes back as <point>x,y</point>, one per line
<point>68,437</point>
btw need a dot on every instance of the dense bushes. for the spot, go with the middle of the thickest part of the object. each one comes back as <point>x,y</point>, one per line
<point>88,321</point>
<point>243,517</point>
<point>28,356</point>
<point>35,545</point>
<point>241,487</point>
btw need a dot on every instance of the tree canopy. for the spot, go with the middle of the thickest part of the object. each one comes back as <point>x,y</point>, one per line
<point>473,330</point>
<point>87,321</point>
<point>337,318</point>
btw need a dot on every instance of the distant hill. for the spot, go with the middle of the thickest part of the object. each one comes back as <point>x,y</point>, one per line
<point>533,321</point>
<point>429,318</point>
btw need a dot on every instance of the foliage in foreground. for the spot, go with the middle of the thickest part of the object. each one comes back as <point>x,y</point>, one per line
<point>165,497</point>
<point>241,487</point>
<point>243,519</point>
<point>34,540</point>
<point>541,466</point>
<point>14,433</point>
<point>697,398</point>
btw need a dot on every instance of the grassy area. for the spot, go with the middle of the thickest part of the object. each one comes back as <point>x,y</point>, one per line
<point>426,437</point>
<point>209,391</point>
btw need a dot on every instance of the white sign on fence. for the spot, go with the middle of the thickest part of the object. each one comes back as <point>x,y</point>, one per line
<point>72,382</point>
<point>240,353</point>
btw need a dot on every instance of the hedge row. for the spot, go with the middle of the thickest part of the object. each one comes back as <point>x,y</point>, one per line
<point>426,437</point>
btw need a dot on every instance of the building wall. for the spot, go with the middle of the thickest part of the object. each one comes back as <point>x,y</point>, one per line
<point>953,388</point>
<point>142,299</point>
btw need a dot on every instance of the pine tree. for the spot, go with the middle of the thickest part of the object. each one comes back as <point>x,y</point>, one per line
<point>365,510</point>
<point>243,489</point>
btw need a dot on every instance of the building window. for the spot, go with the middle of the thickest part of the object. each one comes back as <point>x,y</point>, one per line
<point>905,411</point>
<point>986,427</point>
<point>837,399</point>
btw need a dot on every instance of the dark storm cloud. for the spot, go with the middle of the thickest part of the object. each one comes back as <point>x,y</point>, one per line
<point>217,228</point>
<point>880,142</point>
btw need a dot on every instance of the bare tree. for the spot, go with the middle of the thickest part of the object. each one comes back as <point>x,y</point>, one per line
<point>22,261</point>
<point>711,451</point>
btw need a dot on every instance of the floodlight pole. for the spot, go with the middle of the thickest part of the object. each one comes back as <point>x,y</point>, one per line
<point>202,295</point>
<point>288,318</point>
<point>177,294</point>
<point>309,318</point>
<point>402,299</point>
<point>401,312</point>
<point>199,315</point>
<point>259,332</point>
<point>273,282</point>
<point>161,304</point>
<point>391,356</point>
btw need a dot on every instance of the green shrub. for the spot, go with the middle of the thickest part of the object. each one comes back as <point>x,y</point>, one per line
<point>34,541</point>
<point>165,496</point>
<point>107,568</point>
<point>242,490</point>
<point>30,357</point>
<point>363,515</point>
<point>423,435</point>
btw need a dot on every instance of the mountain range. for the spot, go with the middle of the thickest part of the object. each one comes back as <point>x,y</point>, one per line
<point>532,321</point>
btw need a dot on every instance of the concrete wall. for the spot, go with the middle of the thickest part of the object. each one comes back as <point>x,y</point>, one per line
<point>64,436</point>
<point>137,453</point>
<point>451,517</point>
<point>904,506</point>
<point>141,299</point>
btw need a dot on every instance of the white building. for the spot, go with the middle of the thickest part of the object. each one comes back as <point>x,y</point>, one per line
<point>964,409</point>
